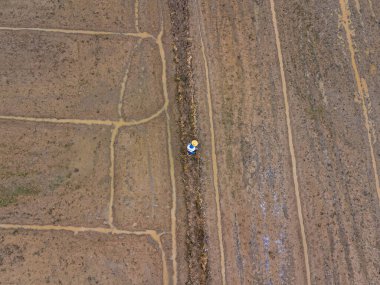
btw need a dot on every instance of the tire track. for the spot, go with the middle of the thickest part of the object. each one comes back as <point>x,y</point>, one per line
<point>61,121</point>
<point>291,145</point>
<point>213,154</point>
<point>360,85</point>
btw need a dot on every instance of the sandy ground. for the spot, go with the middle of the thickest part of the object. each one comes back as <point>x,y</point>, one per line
<point>98,99</point>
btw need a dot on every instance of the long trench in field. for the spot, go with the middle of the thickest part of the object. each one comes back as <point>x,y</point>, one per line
<point>196,236</point>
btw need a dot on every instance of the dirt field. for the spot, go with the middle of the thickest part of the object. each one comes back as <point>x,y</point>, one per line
<point>99,98</point>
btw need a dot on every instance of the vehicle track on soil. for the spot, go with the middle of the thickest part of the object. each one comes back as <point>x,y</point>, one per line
<point>360,85</point>
<point>291,145</point>
<point>213,152</point>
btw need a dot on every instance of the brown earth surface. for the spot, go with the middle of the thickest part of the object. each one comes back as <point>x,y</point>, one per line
<point>99,98</point>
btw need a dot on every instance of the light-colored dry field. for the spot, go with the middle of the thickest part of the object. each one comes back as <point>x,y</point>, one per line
<point>87,168</point>
<point>96,101</point>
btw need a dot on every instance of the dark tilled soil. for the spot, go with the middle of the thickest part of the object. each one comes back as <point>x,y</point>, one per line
<point>196,236</point>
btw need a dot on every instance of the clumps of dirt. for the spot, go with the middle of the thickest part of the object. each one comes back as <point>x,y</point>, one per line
<point>196,236</point>
<point>10,254</point>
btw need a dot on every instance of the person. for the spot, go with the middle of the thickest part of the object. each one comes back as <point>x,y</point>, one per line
<point>192,147</point>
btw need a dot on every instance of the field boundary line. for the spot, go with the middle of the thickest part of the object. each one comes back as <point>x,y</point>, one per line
<point>76,229</point>
<point>90,122</point>
<point>360,84</point>
<point>142,35</point>
<point>291,145</point>
<point>213,155</point>
<point>61,121</point>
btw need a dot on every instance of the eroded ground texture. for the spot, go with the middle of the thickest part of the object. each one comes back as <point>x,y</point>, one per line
<point>98,100</point>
